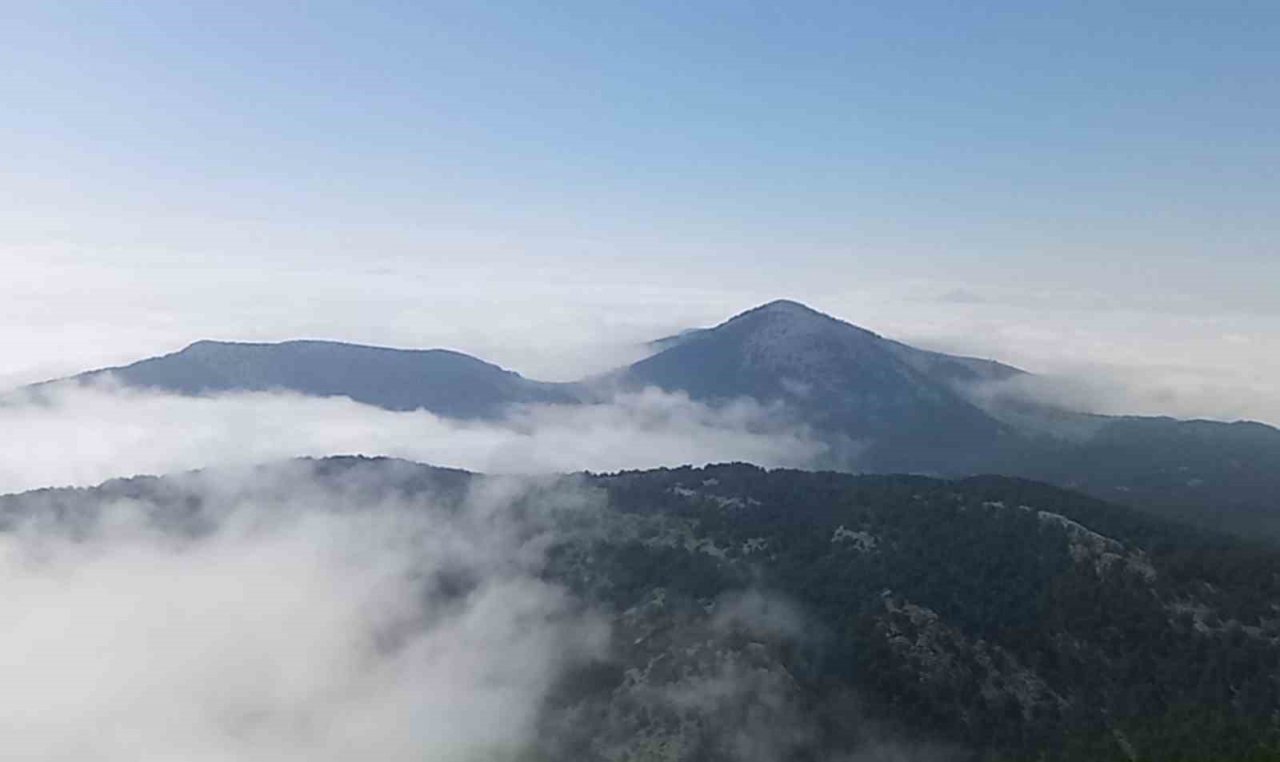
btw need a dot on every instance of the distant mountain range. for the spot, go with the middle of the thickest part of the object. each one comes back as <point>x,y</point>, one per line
<point>447,383</point>
<point>880,405</point>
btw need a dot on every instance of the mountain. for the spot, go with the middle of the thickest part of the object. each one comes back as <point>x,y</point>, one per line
<point>887,407</point>
<point>1223,476</point>
<point>901,408</point>
<point>787,615</point>
<point>775,326</point>
<point>444,382</point>
<point>879,405</point>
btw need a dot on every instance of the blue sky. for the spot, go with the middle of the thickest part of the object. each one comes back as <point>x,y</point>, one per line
<point>928,127</point>
<point>1069,157</point>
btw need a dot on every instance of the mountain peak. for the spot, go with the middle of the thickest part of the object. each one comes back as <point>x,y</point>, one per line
<point>784,320</point>
<point>783,308</point>
<point>787,305</point>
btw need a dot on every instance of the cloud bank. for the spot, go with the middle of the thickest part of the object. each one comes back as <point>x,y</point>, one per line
<point>1179,393</point>
<point>82,436</point>
<point>301,623</point>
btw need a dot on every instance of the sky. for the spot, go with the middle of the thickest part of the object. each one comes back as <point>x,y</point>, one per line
<point>1077,188</point>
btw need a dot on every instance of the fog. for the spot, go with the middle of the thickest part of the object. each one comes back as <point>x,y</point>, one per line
<point>1107,390</point>
<point>305,624</point>
<point>84,435</point>
<point>1120,357</point>
<point>60,315</point>
<point>1127,349</point>
<point>303,611</point>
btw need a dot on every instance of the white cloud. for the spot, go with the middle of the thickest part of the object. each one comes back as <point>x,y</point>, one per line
<point>1198,350</point>
<point>1118,356</point>
<point>1169,391</point>
<point>299,629</point>
<point>81,436</point>
<point>63,315</point>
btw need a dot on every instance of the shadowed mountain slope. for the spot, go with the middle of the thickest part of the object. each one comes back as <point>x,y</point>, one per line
<point>886,406</point>
<point>444,382</point>
<point>901,404</point>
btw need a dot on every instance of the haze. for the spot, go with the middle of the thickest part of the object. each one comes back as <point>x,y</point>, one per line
<point>550,187</point>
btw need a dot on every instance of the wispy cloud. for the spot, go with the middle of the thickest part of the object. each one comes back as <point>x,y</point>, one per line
<point>81,436</point>
<point>304,623</point>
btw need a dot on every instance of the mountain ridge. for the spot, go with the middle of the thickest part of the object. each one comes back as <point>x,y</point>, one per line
<point>879,405</point>
<point>443,381</point>
<point>839,378</point>
<point>1004,619</point>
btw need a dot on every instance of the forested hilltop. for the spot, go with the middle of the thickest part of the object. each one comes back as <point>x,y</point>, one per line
<point>997,614</point>
<point>788,615</point>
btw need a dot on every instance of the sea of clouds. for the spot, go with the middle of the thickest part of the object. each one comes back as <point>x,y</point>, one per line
<point>70,435</point>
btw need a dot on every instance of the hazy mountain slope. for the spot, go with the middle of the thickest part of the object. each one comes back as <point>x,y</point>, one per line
<point>919,411</point>
<point>441,381</point>
<point>811,615</point>
<point>935,365</point>
<point>1225,476</point>
<point>880,405</point>
<point>901,403</point>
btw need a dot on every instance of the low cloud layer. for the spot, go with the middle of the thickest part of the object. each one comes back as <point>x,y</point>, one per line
<point>1118,359</point>
<point>82,436</point>
<point>1175,392</point>
<point>1208,348</point>
<point>308,624</point>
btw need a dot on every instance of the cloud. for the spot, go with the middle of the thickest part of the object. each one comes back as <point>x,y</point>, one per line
<point>81,436</point>
<point>307,622</point>
<point>60,315</point>
<point>1169,391</point>
<point>1214,352</point>
<point>724,680</point>
<point>760,614</point>
<point>320,611</point>
<point>960,296</point>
